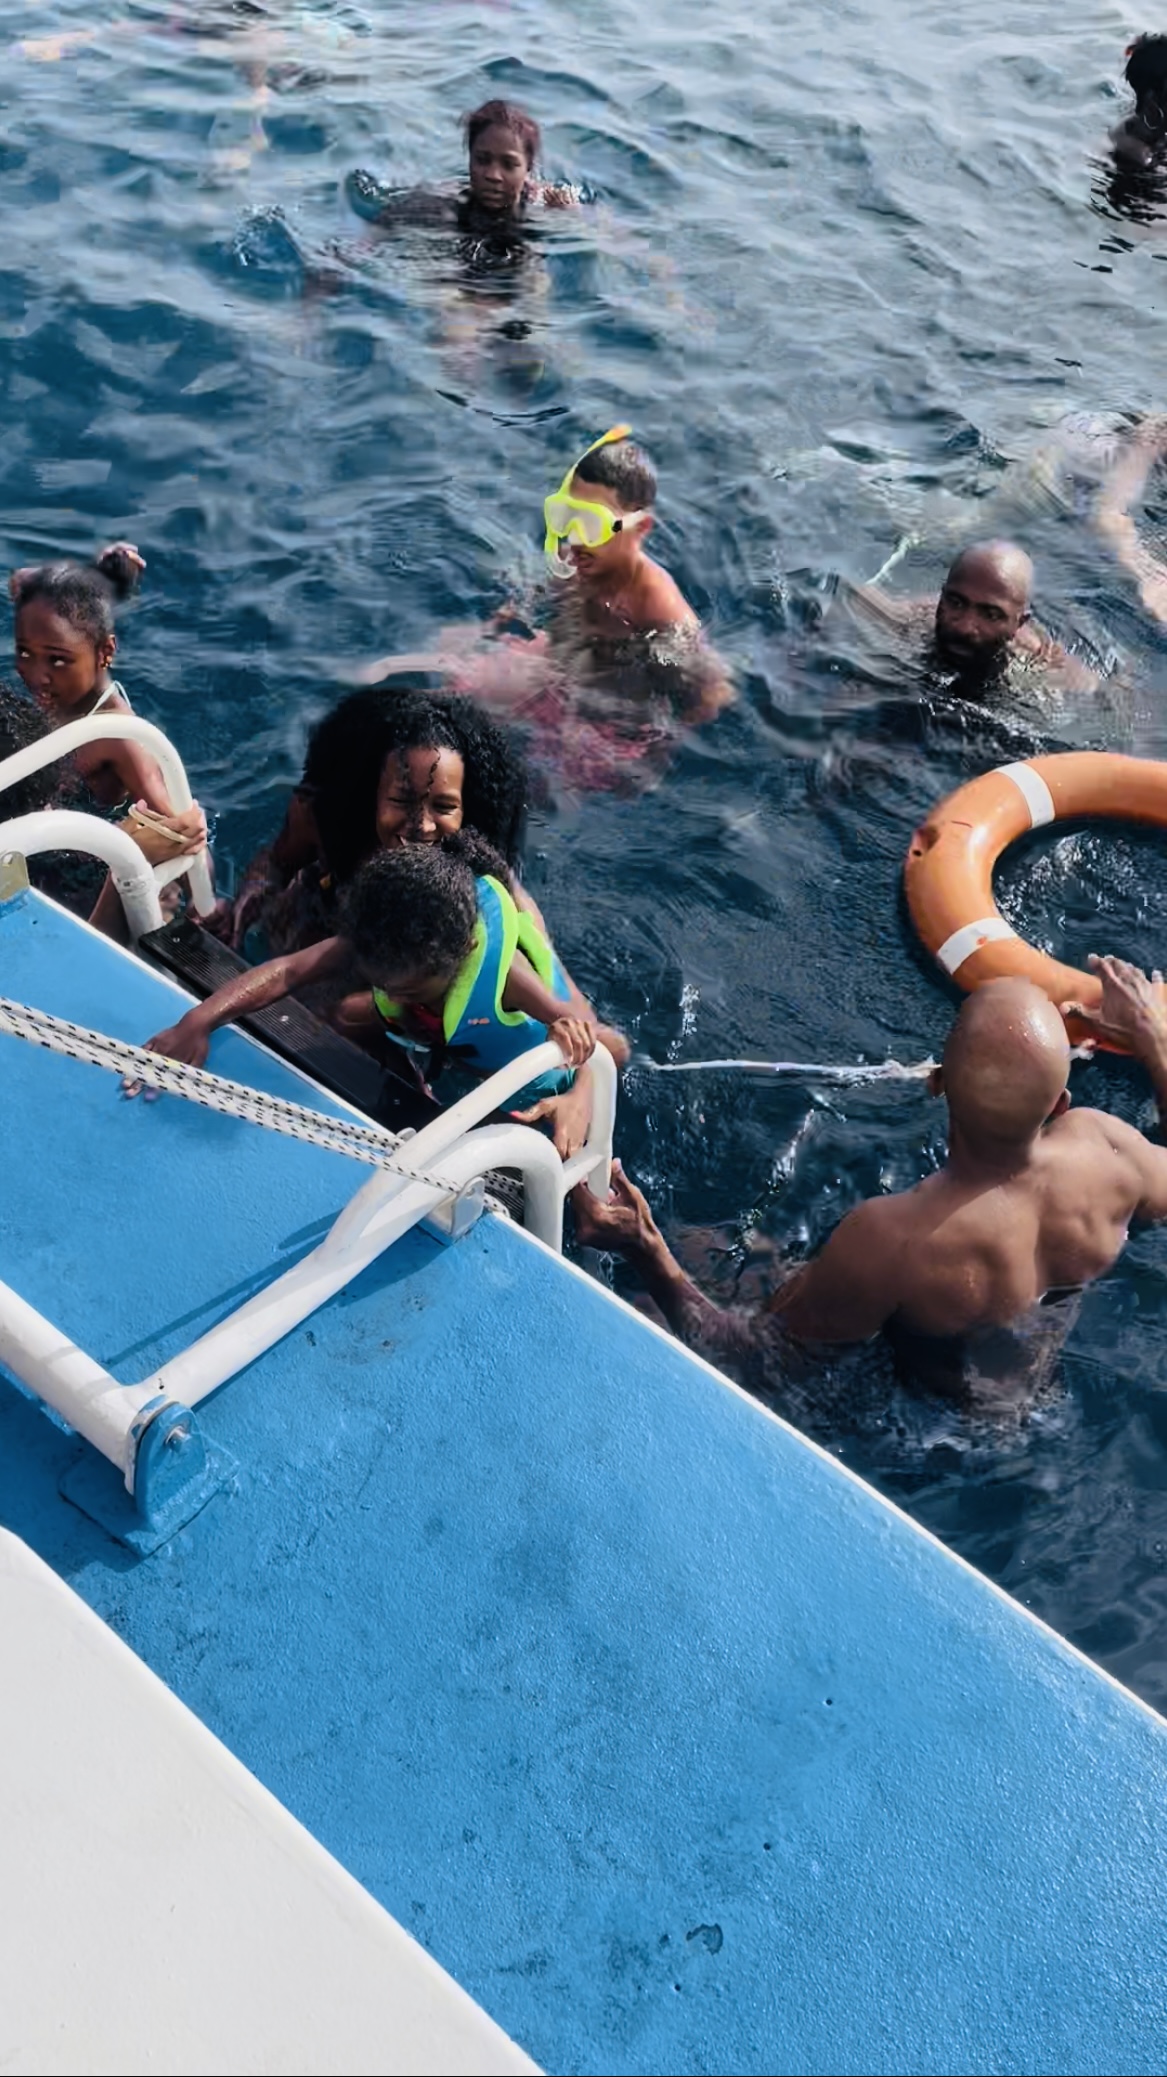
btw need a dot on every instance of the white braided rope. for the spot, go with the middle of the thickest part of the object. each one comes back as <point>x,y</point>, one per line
<point>371,1144</point>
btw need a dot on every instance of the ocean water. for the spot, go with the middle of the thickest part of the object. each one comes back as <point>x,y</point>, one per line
<point>843,272</point>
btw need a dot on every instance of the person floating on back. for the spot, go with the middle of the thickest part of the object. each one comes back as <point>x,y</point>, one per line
<point>447,962</point>
<point>973,1275</point>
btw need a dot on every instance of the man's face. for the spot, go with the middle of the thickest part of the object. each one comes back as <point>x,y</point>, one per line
<point>977,615</point>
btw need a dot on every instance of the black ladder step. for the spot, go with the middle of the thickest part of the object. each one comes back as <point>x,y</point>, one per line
<point>202,964</point>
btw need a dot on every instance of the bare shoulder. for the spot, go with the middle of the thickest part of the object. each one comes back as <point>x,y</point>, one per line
<point>1097,1129</point>
<point>1083,1120</point>
<point>878,1226</point>
<point>1043,650</point>
<point>660,601</point>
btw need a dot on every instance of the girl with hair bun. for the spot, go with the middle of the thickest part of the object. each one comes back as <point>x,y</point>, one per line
<point>65,644</point>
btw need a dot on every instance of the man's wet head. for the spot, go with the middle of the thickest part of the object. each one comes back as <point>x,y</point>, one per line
<point>1005,1067</point>
<point>983,603</point>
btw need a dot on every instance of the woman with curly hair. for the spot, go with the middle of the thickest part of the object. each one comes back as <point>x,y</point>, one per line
<point>383,769</point>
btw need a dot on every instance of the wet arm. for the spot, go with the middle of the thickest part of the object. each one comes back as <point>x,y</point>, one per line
<point>1071,672</point>
<point>1126,482</point>
<point>1133,1015</point>
<point>873,604</point>
<point>1123,488</point>
<point>139,774</point>
<point>249,992</point>
<point>722,1334</point>
<point>525,991</point>
<point>270,871</point>
<point>708,689</point>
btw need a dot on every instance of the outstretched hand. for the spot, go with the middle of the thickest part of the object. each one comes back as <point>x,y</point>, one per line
<point>569,1116</point>
<point>1133,1010</point>
<point>625,1222</point>
<point>188,1042</point>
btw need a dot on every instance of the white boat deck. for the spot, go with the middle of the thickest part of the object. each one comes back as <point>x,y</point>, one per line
<point>162,1910</point>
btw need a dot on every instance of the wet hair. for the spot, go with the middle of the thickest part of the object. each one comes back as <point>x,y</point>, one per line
<point>412,910</point>
<point>84,594</point>
<point>1146,66</point>
<point>507,116</point>
<point>347,753</point>
<point>21,724</point>
<point>623,468</point>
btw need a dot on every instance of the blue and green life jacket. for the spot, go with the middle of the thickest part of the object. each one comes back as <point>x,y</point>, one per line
<point>475,1028</point>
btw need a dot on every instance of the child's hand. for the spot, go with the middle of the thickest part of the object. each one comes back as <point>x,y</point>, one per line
<point>162,838</point>
<point>188,1041</point>
<point>569,1116</point>
<point>575,1039</point>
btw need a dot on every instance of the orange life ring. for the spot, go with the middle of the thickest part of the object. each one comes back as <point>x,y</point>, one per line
<point>948,873</point>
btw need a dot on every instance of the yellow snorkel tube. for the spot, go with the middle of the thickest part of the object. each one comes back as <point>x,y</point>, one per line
<point>565,516</point>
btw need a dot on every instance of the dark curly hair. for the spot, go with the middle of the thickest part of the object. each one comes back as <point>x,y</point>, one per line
<point>1146,66</point>
<point>21,724</point>
<point>412,910</point>
<point>508,116</point>
<point>84,594</point>
<point>347,753</point>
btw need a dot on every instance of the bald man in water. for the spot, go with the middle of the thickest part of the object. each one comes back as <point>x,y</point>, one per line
<point>981,624</point>
<point>974,1274</point>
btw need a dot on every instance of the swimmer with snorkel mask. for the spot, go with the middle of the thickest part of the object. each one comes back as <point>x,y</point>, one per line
<point>623,657</point>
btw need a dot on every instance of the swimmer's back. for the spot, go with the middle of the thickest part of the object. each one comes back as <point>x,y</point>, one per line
<point>952,1257</point>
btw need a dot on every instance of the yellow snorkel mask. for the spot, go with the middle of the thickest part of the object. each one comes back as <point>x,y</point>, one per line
<point>577,522</point>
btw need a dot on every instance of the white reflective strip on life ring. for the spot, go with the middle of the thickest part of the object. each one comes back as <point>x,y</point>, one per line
<point>1038,798</point>
<point>969,939</point>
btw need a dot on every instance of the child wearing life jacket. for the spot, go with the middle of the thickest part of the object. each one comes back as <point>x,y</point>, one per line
<point>450,963</point>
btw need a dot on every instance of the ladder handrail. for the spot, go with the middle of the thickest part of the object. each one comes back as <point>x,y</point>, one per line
<point>459,1144</point>
<point>119,728</point>
<point>68,829</point>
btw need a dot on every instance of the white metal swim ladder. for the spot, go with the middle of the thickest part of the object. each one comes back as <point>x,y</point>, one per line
<point>148,1431</point>
<point>67,829</point>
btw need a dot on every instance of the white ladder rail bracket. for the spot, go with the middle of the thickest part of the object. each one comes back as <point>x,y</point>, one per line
<point>149,1431</point>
